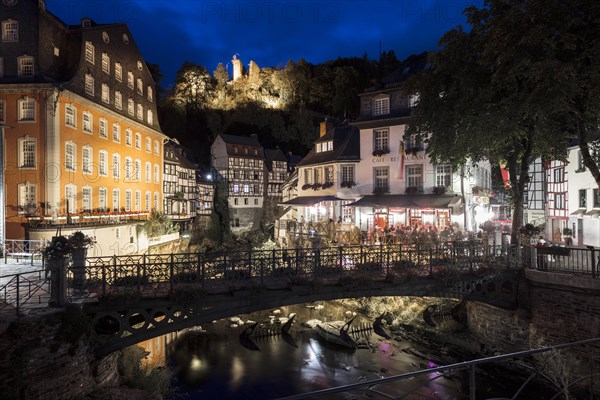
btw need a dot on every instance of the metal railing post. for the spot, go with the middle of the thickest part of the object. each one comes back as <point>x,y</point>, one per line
<point>18,293</point>
<point>472,387</point>
<point>593,262</point>
<point>341,255</point>
<point>171,273</point>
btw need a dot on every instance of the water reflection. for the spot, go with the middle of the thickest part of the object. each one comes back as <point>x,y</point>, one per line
<point>214,364</point>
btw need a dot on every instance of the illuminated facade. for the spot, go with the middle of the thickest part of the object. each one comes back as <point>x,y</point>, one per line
<point>85,147</point>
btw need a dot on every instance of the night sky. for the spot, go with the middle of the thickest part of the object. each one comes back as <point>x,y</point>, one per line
<point>270,32</point>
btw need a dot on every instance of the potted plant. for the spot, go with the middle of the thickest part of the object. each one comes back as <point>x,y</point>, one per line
<point>413,190</point>
<point>316,186</point>
<point>348,185</point>
<point>439,189</point>
<point>380,152</point>
<point>306,186</point>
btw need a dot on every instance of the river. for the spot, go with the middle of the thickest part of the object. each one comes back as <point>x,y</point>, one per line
<point>212,362</point>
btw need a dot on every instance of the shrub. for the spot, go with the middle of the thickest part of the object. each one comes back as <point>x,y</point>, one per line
<point>155,381</point>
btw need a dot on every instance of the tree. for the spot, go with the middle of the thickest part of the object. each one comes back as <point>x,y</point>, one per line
<point>345,99</point>
<point>194,87</point>
<point>484,95</point>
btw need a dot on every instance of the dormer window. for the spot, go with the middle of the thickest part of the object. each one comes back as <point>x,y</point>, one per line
<point>105,63</point>
<point>324,146</point>
<point>381,105</point>
<point>25,66</point>
<point>86,22</point>
<point>10,31</point>
<point>89,52</point>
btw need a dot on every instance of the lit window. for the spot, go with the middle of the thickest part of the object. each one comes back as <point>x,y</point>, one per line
<point>559,175</point>
<point>140,112</point>
<point>116,165</point>
<point>348,174</point>
<point>70,116</point>
<point>138,141</point>
<point>86,198</point>
<point>118,72</point>
<point>130,80</point>
<point>116,133</point>
<point>27,152</point>
<point>10,31</point>
<point>105,93</point>
<point>140,86</point>
<point>103,163</point>
<point>103,131</point>
<point>156,147</point>
<point>27,197</point>
<point>70,156</point>
<point>156,174</point>
<point>147,205</point>
<point>150,93</point>
<point>156,197</point>
<point>118,101</point>
<point>102,198</point>
<point>89,84</point>
<point>148,145</point>
<point>115,200</point>
<point>128,137</point>
<point>86,160</point>
<point>86,118</point>
<point>130,106</point>
<point>25,66</point>
<point>89,52</point>
<point>559,200</point>
<point>381,106</point>
<point>105,63</point>
<point>150,117</point>
<point>26,109</point>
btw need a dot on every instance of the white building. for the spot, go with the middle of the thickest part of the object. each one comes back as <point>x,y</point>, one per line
<point>583,201</point>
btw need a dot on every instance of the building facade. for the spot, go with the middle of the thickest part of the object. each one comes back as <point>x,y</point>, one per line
<point>180,190</point>
<point>84,142</point>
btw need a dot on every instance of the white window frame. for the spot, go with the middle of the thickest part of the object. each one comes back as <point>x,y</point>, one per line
<point>137,171</point>
<point>116,199</point>
<point>89,84</point>
<point>381,105</point>
<point>105,63</point>
<point>27,109</point>
<point>128,200</point>
<point>116,132</point>
<point>103,128</point>
<point>10,30</point>
<point>128,137</point>
<point>140,112</point>
<point>150,117</point>
<point>87,162</point>
<point>70,116</point>
<point>148,145</point>
<point>27,196</point>
<point>116,165</point>
<point>105,93</point>
<point>148,201</point>
<point>148,171</point>
<point>102,198</point>
<point>156,148</point>
<point>443,175</point>
<point>381,178</point>
<point>103,163</point>
<point>140,86</point>
<point>70,156</point>
<point>381,139</point>
<point>150,92</point>
<point>156,174</point>
<point>90,53</point>
<point>87,122</point>
<point>118,100</point>
<point>138,141</point>
<point>347,172</point>
<point>27,160</point>
<point>130,107</point>
<point>118,72</point>
<point>26,66</point>
<point>86,198</point>
<point>156,201</point>
<point>70,200</point>
<point>414,176</point>
<point>128,167</point>
<point>138,200</point>
<point>130,80</point>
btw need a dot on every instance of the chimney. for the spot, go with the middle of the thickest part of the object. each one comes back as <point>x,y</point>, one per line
<point>325,126</point>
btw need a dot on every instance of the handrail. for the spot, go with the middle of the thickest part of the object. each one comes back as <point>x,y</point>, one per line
<point>445,368</point>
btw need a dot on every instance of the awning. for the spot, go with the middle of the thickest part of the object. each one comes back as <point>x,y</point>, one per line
<point>579,211</point>
<point>408,201</point>
<point>308,200</point>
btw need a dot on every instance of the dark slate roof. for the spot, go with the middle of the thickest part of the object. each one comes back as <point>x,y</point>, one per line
<point>273,155</point>
<point>251,143</point>
<point>179,155</point>
<point>346,146</point>
<point>413,64</point>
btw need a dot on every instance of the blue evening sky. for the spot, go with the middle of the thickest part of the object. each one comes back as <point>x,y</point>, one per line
<point>270,32</point>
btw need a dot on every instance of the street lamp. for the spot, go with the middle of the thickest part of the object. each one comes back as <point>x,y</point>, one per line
<point>2,191</point>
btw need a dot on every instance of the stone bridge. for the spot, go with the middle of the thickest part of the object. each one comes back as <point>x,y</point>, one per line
<point>134,298</point>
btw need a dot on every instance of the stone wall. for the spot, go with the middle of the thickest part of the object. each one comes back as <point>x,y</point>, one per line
<point>38,362</point>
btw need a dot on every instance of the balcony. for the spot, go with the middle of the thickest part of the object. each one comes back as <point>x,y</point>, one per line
<point>85,219</point>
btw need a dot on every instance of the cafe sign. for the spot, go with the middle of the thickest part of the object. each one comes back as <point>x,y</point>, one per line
<point>481,199</point>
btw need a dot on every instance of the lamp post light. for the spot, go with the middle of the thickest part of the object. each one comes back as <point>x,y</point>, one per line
<point>2,189</point>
